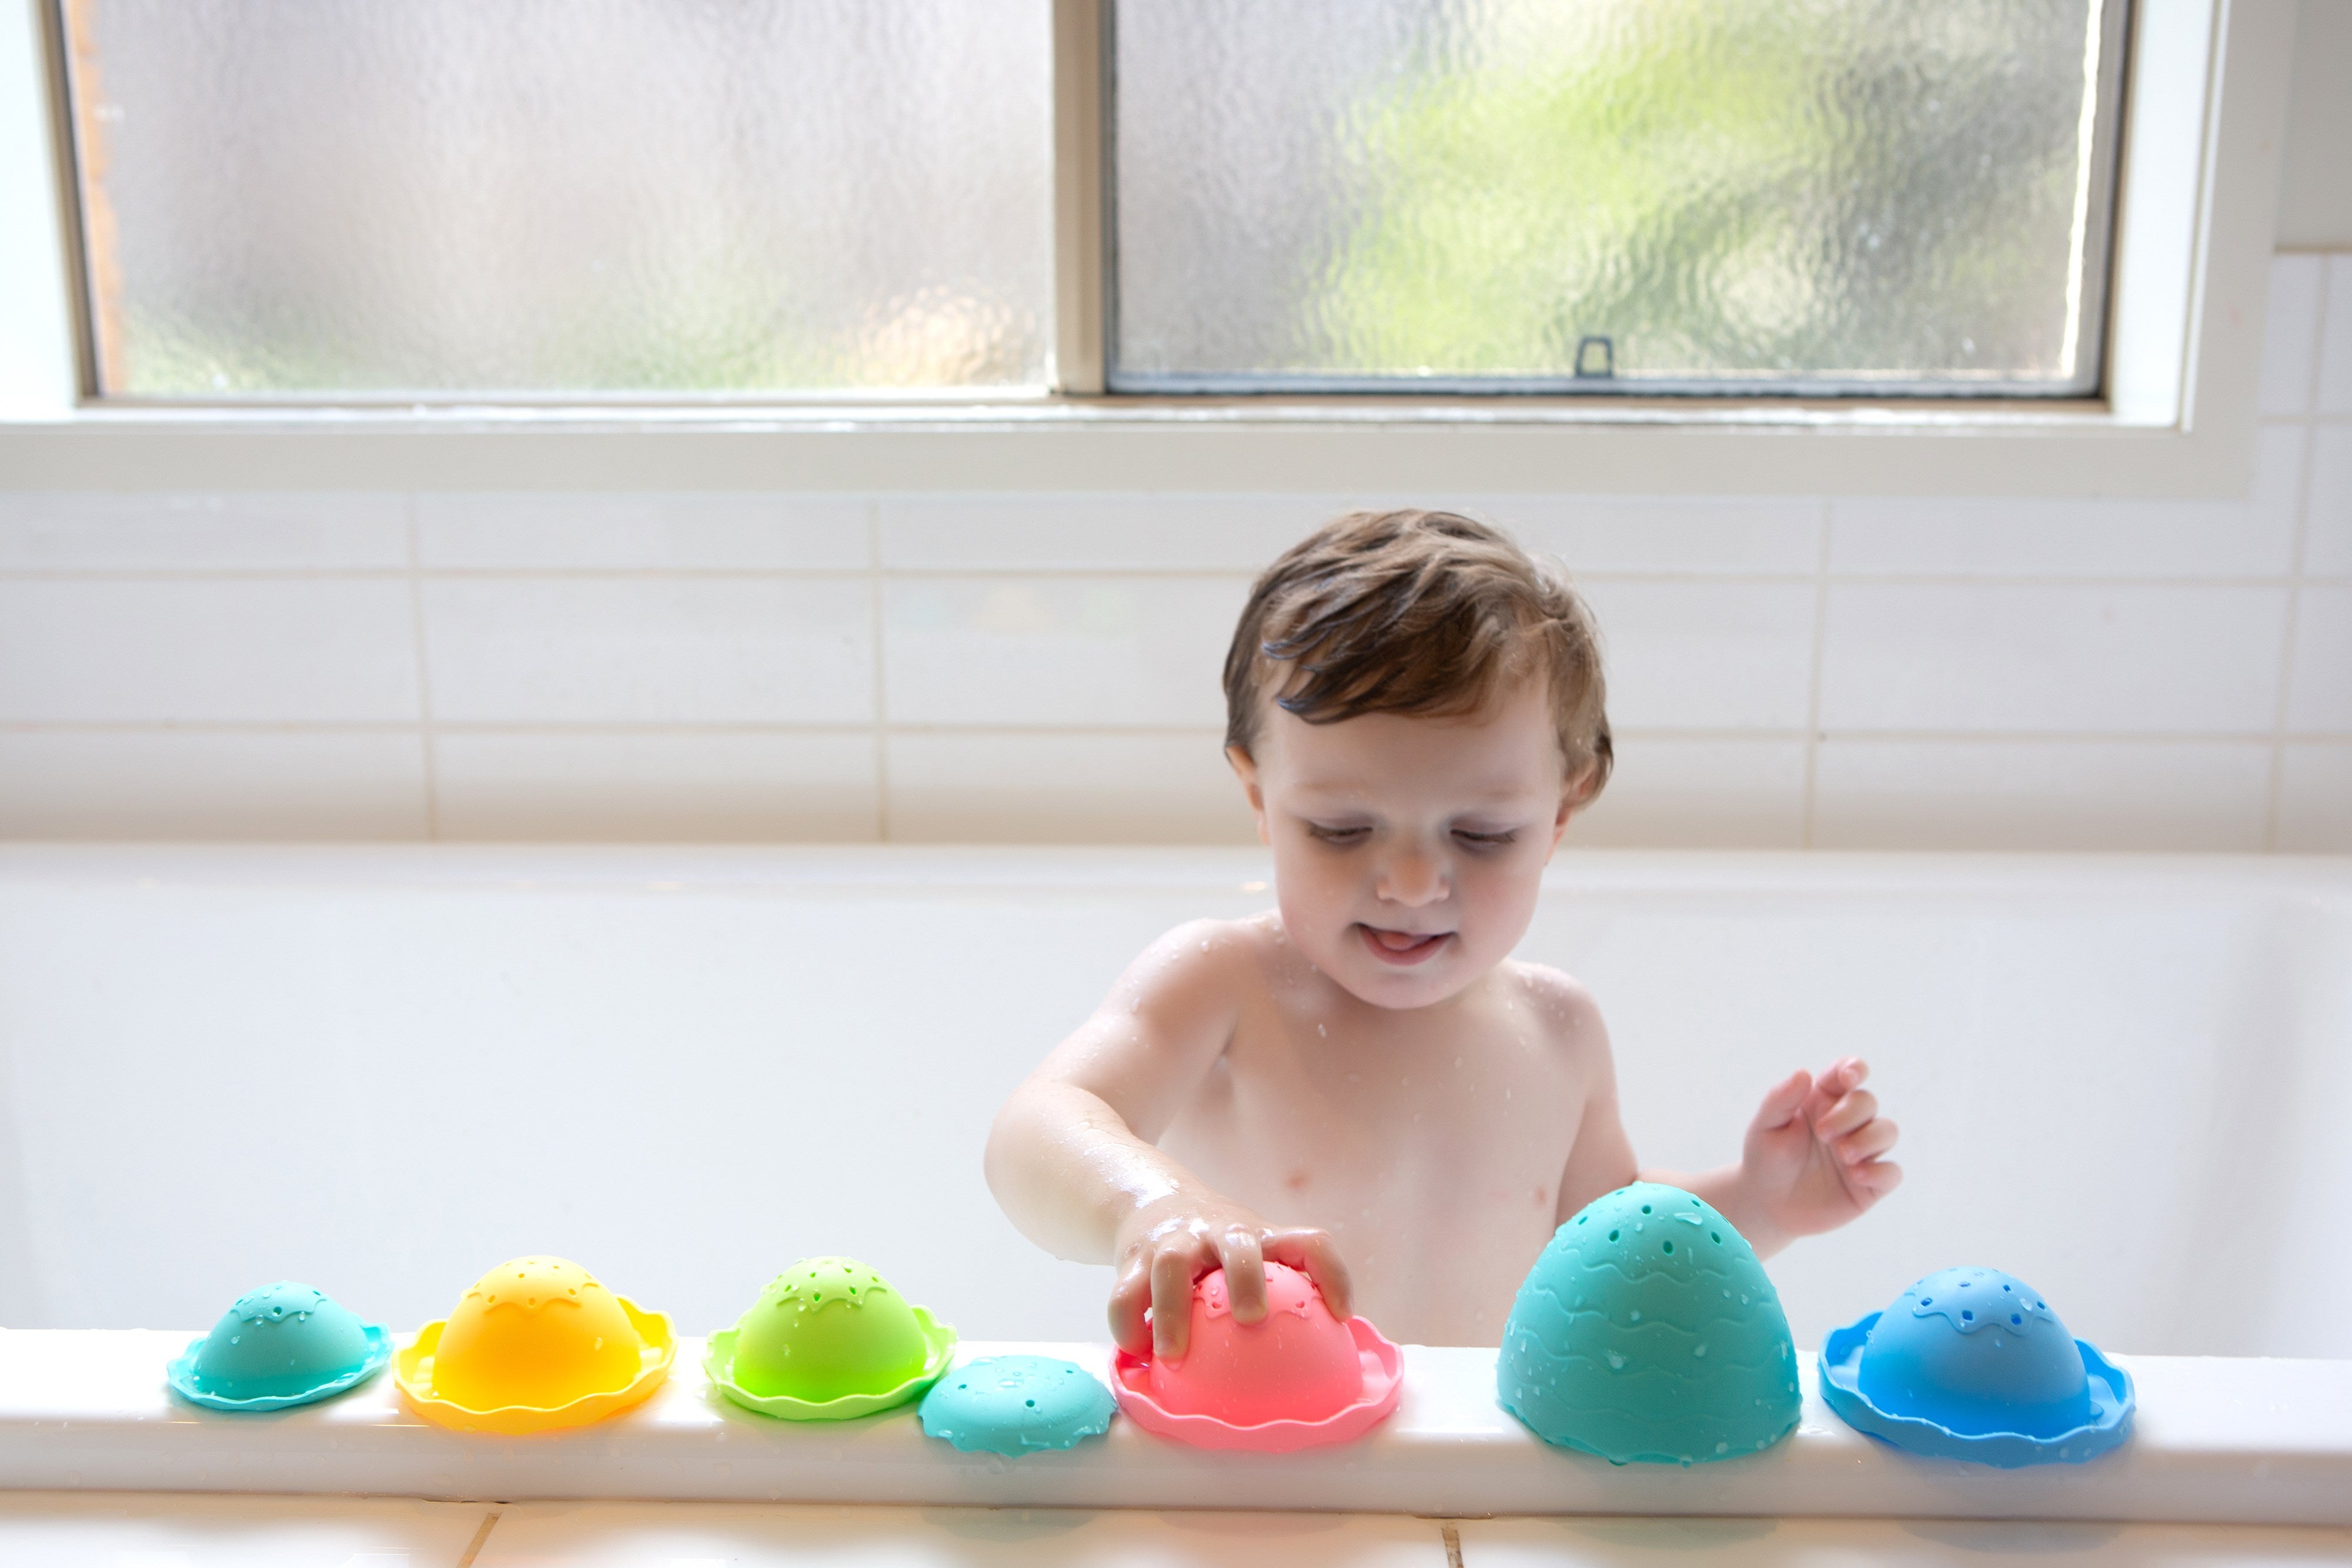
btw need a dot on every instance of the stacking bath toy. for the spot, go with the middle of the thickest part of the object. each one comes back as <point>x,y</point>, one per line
<point>1648,1333</point>
<point>537,1343</point>
<point>279,1345</point>
<point>1298,1378</point>
<point>1016,1405</point>
<point>1972,1363</point>
<point>828,1339</point>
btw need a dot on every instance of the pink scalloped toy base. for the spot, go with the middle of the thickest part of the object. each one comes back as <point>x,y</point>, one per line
<point>1384,1385</point>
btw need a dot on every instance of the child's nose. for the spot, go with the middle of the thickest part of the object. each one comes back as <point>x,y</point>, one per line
<point>1412,878</point>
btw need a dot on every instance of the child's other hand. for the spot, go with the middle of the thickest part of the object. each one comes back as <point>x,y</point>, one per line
<point>1813,1158</point>
<point>1169,1244</point>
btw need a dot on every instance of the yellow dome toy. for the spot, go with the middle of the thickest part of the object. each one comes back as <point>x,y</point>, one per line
<point>537,1343</point>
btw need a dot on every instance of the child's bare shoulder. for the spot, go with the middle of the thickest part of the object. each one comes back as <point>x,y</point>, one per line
<point>1203,961</point>
<point>1564,1009</point>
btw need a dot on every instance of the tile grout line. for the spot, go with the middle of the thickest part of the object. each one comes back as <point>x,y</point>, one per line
<point>482,1534</point>
<point>881,692</point>
<point>1813,686</point>
<point>1450,1535</point>
<point>426,747</point>
<point>2275,797</point>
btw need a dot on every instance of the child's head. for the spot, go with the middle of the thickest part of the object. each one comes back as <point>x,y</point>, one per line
<point>1414,704</point>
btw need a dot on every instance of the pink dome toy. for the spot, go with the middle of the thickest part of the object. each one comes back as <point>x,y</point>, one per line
<point>1299,1378</point>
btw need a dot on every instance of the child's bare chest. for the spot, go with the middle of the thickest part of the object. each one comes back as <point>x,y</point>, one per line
<point>1430,1156</point>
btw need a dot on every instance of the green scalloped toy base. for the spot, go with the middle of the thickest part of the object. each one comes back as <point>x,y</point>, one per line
<point>718,1365</point>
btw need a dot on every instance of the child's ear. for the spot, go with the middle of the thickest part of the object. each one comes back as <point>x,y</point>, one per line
<point>1572,796</point>
<point>1244,768</point>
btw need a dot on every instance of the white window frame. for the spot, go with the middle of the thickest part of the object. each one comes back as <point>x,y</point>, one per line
<point>2203,133</point>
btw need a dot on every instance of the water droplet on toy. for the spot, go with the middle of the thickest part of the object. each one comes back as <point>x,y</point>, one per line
<point>1616,1360</point>
<point>1723,1447</point>
<point>1636,1318</point>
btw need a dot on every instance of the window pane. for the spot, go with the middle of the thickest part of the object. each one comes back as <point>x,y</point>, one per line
<point>288,196</point>
<point>1725,195</point>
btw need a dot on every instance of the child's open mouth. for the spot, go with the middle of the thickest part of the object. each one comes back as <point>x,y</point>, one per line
<point>1403,948</point>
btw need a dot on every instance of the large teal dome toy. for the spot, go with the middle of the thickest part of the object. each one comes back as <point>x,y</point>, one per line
<point>1648,1333</point>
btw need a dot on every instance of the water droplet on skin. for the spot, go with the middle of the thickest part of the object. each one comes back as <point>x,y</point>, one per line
<point>1326,1034</point>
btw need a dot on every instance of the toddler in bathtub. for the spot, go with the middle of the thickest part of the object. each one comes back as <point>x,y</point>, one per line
<point>1361,1082</point>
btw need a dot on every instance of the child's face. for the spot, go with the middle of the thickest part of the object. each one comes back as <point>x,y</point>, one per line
<point>1408,851</point>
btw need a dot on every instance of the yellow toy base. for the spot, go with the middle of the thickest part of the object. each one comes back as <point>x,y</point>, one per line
<point>412,1368</point>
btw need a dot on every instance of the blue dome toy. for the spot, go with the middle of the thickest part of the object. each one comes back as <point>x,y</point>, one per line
<point>1972,1363</point>
<point>1648,1331</point>
<point>1018,1404</point>
<point>279,1345</point>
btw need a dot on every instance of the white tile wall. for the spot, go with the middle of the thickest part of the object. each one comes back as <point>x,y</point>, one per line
<point>650,650</point>
<point>2327,539</point>
<point>148,782</point>
<point>2053,794</point>
<point>1784,671</point>
<point>1074,787</point>
<point>1123,651</point>
<point>2335,338</point>
<point>2052,658</point>
<point>2315,812</point>
<point>284,650</point>
<point>713,532</point>
<point>710,785</point>
<point>2319,699</point>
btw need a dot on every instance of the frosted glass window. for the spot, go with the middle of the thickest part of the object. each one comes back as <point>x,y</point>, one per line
<point>563,197</point>
<point>1612,195</point>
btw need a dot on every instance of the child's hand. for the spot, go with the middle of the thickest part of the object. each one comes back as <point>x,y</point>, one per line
<point>1167,1245</point>
<point>1812,1159</point>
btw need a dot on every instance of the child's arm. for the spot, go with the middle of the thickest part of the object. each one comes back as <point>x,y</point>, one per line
<point>1812,1159</point>
<point>1071,1157</point>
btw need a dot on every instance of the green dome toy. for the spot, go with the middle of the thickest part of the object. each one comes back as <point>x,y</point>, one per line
<point>1648,1333</point>
<point>827,1339</point>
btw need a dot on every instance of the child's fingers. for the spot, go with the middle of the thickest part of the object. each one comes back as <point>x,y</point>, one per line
<point>1244,1267</point>
<point>1130,1298</point>
<point>1313,1254</point>
<point>1846,1116</point>
<point>1178,1260</point>
<point>1877,1177</point>
<point>1782,1100</point>
<point>1867,1142</point>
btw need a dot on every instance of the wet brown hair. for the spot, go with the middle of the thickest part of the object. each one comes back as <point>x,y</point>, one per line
<point>1417,613</point>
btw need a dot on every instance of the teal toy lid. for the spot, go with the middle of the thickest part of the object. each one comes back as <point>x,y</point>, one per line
<point>1018,1404</point>
<point>284,1344</point>
<point>1649,1332</point>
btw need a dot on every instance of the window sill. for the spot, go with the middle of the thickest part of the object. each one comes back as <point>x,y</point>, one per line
<point>1447,444</point>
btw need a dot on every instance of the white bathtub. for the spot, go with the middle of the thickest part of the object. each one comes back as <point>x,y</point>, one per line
<point>382,1071</point>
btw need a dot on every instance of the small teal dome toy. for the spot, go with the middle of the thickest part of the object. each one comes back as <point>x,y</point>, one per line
<point>1972,1363</point>
<point>1649,1332</point>
<point>1018,1404</point>
<point>279,1345</point>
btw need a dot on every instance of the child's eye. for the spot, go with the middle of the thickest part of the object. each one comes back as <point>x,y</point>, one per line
<point>1337,835</point>
<point>1485,840</point>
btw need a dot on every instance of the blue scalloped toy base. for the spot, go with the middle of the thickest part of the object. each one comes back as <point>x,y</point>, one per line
<point>2112,1402</point>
